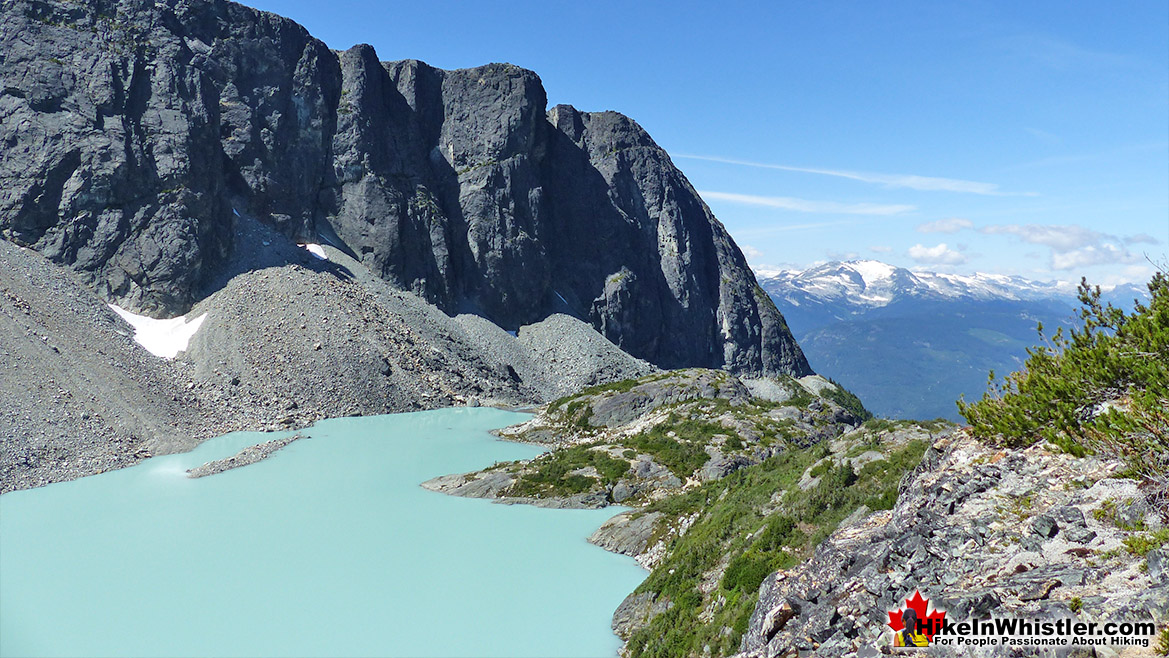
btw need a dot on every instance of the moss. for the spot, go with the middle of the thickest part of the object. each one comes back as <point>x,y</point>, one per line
<point>1140,544</point>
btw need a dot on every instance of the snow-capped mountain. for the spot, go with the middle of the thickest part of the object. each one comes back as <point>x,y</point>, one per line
<point>871,283</point>
<point>910,343</point>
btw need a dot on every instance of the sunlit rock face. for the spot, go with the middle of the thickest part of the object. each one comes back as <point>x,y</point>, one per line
<point>134,132</point>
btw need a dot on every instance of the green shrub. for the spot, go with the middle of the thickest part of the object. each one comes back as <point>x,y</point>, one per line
<point>746,572</point>
<point>849,401</point>
<point>736,517</point>
<point>1058,395</point>
<point>548,474</point>
<point>1140,544</point>
<point>682,453</point>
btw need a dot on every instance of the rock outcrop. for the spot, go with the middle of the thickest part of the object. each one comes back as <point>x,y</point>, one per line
<point>634,441</point>
<point>978,531</point>
<point>134,132</point>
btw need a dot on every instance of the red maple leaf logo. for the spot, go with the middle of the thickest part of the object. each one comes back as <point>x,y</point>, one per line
<point>931,621</point>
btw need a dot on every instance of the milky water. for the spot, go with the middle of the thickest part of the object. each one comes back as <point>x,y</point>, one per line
<point>329,547</point>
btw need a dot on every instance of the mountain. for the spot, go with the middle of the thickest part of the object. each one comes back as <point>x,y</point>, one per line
<point>137,134</point>
<point>174,158</point>
<point>910,343</point>
<point>840,291</point>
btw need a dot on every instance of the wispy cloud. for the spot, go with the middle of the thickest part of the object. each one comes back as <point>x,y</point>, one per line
<point>1078,158</point>
<point>1059,54</point>
<point>1073,247</point>
<point>804,205</point>
<point>841,255</point>
<point>902,181</point>
<point>1141,238</point>
<point>752,254</point>
<point>1061,238</point>
<point>881,249</point>
<point>783,228</point>
<point>939,254</point>
<point>948,225</point>
<point>1103,254</point>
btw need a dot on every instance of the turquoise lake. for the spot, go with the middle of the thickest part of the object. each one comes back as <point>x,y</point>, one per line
<point>329,547</point>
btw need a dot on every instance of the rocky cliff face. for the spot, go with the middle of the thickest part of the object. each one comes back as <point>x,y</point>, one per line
<point>134,131</point>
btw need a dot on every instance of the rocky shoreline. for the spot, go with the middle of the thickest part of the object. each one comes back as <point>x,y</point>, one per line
<point>82,397</point>
<point>245,457</point>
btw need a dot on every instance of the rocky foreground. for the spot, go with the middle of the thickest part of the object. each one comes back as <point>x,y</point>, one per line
<point>775,521</point>
<point>977,530</point>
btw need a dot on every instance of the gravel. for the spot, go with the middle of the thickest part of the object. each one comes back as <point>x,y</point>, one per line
<point>79,395</point>
<point>289,339</point>
<point>249,455</point>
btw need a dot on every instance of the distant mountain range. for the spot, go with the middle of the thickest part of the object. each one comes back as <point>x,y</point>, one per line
<point>910,343</point>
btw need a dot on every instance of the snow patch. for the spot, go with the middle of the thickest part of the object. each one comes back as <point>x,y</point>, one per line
<point>872,270</point>
<point>316,250</point>
<point>164,338</point>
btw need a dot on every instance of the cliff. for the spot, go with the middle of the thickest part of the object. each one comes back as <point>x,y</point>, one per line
<point>136,132</point>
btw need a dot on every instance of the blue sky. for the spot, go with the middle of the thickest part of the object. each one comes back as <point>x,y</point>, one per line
<point>1013,137</point>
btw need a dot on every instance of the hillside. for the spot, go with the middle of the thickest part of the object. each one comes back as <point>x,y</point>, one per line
<point>288,340</point>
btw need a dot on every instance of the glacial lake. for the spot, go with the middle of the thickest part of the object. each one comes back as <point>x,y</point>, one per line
<point>329,547</point>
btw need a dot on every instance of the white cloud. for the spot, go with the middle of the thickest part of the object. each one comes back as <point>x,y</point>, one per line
<point>881,249</point>
<point>1141,237</point>
<point>1073,246</point>
<point>905,181</point>
<point>939,254</point>
<point>1102,254</point>
<point>1060,238</point>
<point>750,252</point>
<point>948,225</point>
<point>841,255</point>
<point>804,205</point>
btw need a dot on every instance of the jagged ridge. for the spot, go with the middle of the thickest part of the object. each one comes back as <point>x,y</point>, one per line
<point>134,129</point>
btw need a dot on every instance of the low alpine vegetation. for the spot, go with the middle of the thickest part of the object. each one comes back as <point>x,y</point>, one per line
<point>1102,389</point>
<point>755,521</point>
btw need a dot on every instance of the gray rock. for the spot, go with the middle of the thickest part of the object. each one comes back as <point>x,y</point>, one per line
<point>637,610</point>
<point>249,455</point>
<point>130,145</point>
<point>1131,514</point>
<point>1044,526</point>
<point>1073,525</point>
<point>720,466</point>
<point>627,533</point>
<point>1158,566</point>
